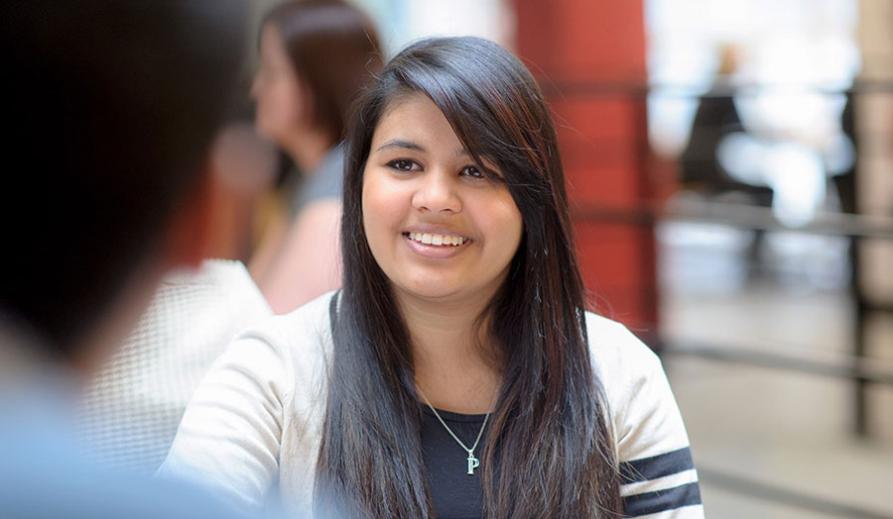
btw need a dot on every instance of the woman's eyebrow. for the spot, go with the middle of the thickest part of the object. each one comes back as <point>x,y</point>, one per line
<point>401,143</point>
<point>410,145</point>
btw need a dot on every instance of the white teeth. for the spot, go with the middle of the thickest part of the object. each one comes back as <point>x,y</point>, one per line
<point>436,239</point>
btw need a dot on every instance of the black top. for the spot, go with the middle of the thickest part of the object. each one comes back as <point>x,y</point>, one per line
<point>454,493</point>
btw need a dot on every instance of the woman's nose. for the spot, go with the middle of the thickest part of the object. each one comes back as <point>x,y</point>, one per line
<point>437,194</point>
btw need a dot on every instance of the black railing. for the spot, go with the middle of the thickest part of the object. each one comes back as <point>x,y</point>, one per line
<point>848,223</point>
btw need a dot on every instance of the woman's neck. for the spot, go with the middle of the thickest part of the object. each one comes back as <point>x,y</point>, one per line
<point>307,149</point>
<point>453,355</point>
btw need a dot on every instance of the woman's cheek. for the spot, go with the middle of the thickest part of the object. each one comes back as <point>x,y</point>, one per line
<point>378,206</point>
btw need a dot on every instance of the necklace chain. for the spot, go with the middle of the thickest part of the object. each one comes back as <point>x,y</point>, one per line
<point>447,427</point>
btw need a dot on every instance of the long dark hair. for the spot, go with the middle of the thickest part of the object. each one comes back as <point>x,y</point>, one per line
<point>314,31</point>
<point>549,450</point>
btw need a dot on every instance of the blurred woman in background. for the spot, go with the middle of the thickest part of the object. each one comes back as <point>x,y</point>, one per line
<point>315,55</point>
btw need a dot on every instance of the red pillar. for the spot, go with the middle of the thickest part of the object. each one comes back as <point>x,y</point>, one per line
<point>589,57</point>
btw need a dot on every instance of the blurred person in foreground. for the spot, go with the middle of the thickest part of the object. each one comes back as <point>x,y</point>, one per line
<point>315,55</point>
<point>130,411</point>
<point>113,106</point>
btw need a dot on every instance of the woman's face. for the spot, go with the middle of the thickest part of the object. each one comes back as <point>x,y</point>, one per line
<point>276,89</point>
<point>437,226</point>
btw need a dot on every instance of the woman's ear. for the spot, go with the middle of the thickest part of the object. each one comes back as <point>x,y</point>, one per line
<point>306,104</point>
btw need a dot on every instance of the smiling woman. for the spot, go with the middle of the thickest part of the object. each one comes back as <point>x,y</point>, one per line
<point>457,374</point>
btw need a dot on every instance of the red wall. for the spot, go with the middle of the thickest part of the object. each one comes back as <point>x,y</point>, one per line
<point>589,56</point>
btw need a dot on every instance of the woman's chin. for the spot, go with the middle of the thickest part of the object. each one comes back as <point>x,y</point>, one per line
<point>430,291</point>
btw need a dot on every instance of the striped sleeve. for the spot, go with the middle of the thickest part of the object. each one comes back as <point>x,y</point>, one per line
<point>659,480</point>
<point>665,485</point>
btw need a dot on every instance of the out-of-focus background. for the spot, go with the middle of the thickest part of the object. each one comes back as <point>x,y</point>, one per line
<point>730,168</point>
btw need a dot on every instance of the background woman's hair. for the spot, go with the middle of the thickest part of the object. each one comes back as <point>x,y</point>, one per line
<point>549,450</point>
<point>313,31</point>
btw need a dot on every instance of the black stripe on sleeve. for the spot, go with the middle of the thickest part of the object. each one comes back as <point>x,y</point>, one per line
<point>645,469</point>
<point>662,500</point>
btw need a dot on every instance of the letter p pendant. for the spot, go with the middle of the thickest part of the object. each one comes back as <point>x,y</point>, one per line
<point>473,463</point>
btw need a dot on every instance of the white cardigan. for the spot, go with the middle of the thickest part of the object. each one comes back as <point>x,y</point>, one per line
<point>255,421</point>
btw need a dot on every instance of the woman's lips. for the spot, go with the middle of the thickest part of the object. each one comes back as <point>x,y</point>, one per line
<point>439,246</point>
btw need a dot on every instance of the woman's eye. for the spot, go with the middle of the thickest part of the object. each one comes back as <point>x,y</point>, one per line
<point>473,171</point>
<point>403,165</point>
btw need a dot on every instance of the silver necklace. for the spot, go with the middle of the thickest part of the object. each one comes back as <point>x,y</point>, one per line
<point>473,462</point>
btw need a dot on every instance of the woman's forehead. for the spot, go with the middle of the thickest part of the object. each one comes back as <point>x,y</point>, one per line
<point>413,120</point>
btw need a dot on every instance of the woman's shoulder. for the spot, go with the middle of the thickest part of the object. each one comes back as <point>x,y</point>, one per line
<point>617,352</point>
<point>625,366</point>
